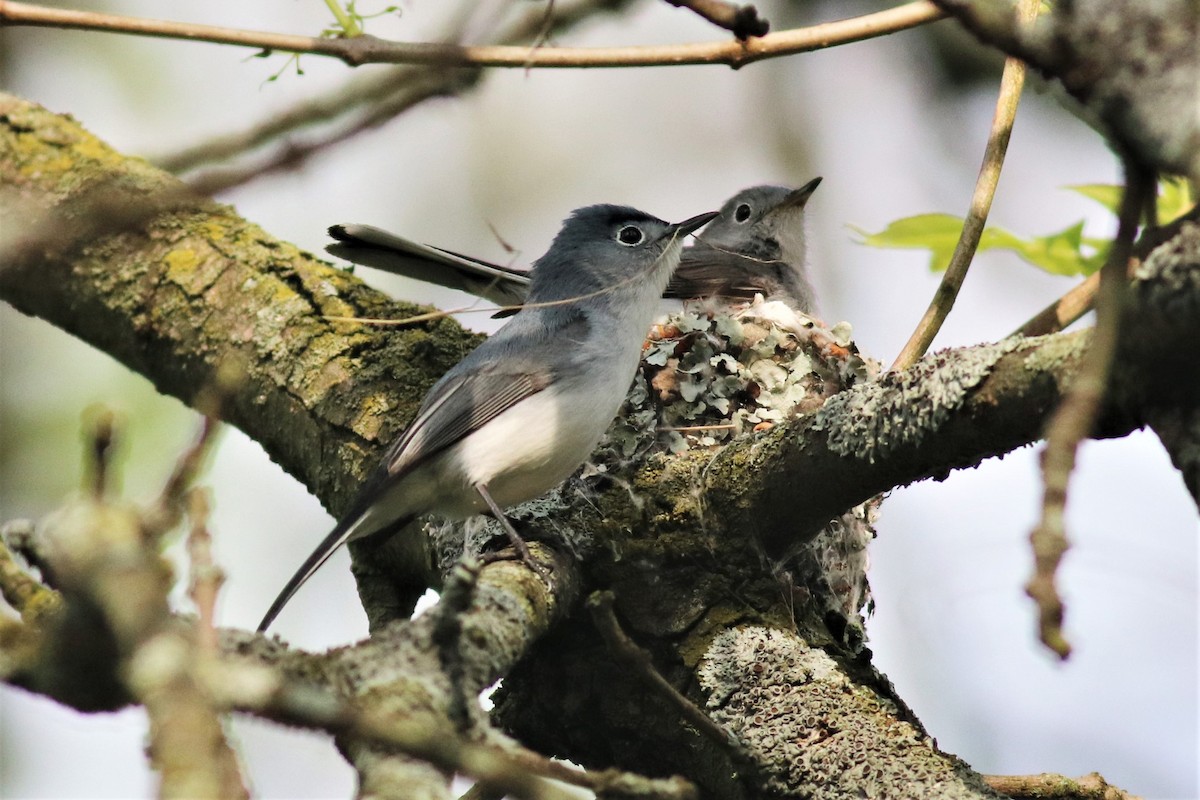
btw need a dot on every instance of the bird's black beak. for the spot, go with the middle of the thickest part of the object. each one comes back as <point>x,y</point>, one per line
<point>689,225</point>
<point>799,198</point>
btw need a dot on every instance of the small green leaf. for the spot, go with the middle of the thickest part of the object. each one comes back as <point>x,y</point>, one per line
<point>936,232</point>
<point>1058,253</point>
<point>1175,199</point>
<point>1106,194</point>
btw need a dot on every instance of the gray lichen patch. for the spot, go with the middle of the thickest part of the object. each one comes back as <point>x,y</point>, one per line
<point>787,703</point>
<point>904,408</point>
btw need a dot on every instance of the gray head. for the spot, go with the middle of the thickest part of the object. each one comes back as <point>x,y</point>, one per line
<point>764,222</point>
<point>755,246</point>
<point>609,246</point>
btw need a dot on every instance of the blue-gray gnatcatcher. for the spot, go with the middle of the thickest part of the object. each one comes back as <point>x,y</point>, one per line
<point>756,245</point>
<point>523,410</point>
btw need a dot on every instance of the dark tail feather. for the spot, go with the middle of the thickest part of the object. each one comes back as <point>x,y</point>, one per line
<point>336,538</point>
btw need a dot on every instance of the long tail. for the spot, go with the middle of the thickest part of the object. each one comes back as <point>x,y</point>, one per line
<point>341,533</point>
<point>376,248</point>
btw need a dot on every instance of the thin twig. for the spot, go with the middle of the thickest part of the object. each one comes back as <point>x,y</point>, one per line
<point>742,21</point>
<point>398,89</point>
<point>1082,297</point>
<point>1063,311</point>
<point>28,596</point>
<point>261,691</point>
<point>601,606</point>
<point>689,428</point>
<point>291,156</point>
<point>205,578</point>
<point>1048,786</point>
<point>605,781</point>
<point>366,104</point>
<point>371,50</point>
<point>101,434</point>
<point>1012,81</point>
<point>349,26</point>
<point>1076,415</point>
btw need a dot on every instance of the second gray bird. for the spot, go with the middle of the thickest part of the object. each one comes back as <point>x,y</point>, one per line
<point>523,410</point>
<point>756,245</point>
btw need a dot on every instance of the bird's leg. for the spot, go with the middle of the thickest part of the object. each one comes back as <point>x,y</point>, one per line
<point>513,537</point>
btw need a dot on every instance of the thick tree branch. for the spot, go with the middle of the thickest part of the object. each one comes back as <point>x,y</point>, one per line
<point>198,290</point>
<point>1133,67</point>
<point>951,410</point>
<point>371,50</point>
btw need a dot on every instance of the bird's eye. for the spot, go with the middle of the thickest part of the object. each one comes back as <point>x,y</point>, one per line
<point>630,235</point>
<point>742,212</point>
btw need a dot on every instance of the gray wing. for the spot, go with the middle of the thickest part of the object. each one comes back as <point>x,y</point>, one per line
<point>516,363</point>
<point>376,248</point>
<point>458,407</point>
<point>706,271</point>
<point>709,272</point>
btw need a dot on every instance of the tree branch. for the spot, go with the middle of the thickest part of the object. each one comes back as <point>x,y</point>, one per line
<point>1134,67</point>
<point>1057,787</point>
<point>371,50</point>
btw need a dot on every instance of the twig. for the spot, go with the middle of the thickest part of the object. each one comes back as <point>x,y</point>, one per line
<point>1081,298</point>
<point>347,22</point>
<point>205,578</point>
<point>370,103</point>
<point>1048,786</point>
<point>1011,82</point>
<point>371,50</point>
<point>690,428</point>
<point>601,606</point>
<point>261,691</point>
<point>1076,415</point>
<point>613,781</point>
<point>383,96</point>
<point>1063,311</point>
<point>101,433</point>
<point>742,21</point>
<point>28,596</point>
<point>166,513</point>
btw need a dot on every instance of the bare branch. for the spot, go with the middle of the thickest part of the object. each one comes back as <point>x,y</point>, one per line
<point>1063,311</point>
<point>1076,416</point>
<point>371,50</point>
<point>1048,786</point>
<point>28,596</point>
<point>624,648</point>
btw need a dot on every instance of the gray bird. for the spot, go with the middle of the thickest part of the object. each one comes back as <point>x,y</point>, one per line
<point>756,245</point>
<point>523,410</point>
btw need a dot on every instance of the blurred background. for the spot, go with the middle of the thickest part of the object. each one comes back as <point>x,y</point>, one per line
<point>896,126</point>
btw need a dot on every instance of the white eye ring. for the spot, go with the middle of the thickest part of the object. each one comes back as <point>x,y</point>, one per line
<point>742,212</point>
<point>631,236</point>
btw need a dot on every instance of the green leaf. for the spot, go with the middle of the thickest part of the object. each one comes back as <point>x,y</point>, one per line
<point>1065,252</point>
<point>1060,253</point>
<point>936,232</point>
<point>1175,199</point>
<point>1106,194</point>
